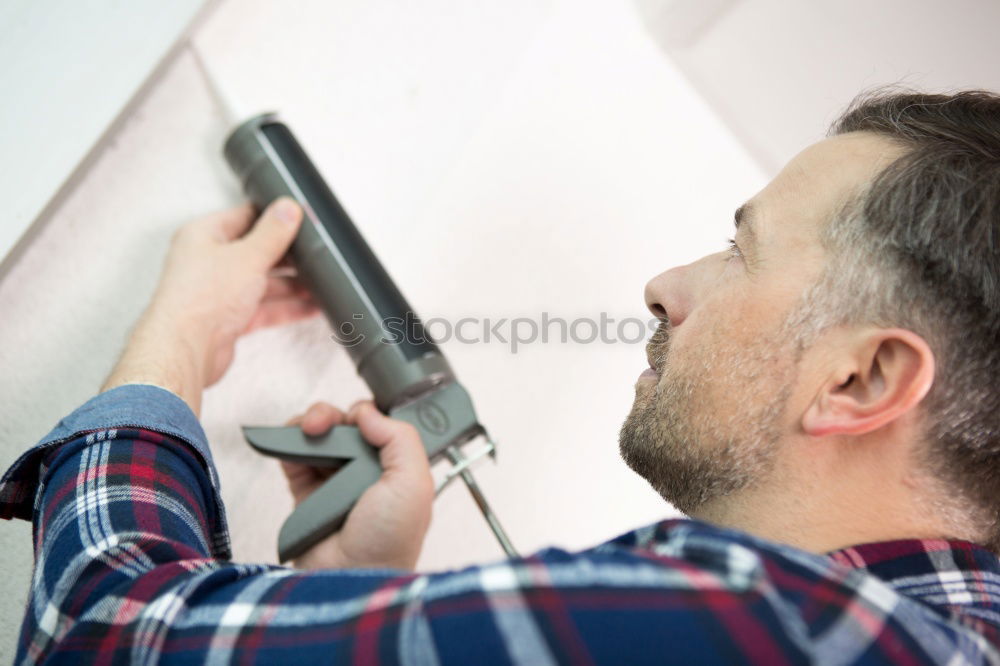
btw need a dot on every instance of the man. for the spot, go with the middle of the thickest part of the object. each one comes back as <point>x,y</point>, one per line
<point>819,400</point>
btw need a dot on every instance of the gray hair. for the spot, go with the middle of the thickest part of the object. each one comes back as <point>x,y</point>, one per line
<point>919,247</point>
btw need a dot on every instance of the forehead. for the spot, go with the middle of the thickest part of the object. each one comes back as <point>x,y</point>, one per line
<point>815,183</point>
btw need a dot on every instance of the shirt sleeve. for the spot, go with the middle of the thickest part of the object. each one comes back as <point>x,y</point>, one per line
<point>132,566</point>
<point>144,411</point>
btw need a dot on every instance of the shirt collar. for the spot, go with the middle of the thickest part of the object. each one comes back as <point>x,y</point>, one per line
<point>951,573</point>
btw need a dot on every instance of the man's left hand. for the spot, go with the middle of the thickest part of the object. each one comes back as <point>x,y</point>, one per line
<point>216,285</point>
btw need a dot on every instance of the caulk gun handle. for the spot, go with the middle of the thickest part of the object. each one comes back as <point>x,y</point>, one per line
<point>326,509</point>
<point>443,418</point>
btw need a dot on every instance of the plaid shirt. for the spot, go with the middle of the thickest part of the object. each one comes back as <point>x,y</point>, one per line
<point>132,566</point>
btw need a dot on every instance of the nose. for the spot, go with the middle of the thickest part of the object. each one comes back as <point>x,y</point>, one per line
<point>673,293</point>
<point>665,296</point>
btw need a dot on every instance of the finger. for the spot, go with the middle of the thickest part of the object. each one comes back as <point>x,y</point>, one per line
<point>302,479</point>
<point>318,409</point>
<point>273,232</point>
<point>301,475</point>
<point>352,411</point>
<point>401,450</point>
<point>230,224</point>
<point>282,311</point>
<point>320,417</point>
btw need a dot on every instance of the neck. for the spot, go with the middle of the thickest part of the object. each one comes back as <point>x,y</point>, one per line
<point>821,508</point>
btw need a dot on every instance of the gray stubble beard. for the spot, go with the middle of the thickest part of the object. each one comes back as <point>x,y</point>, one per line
<point>692,457</point>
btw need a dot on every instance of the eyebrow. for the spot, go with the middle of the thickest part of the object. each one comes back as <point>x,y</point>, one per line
<point>744,218</point>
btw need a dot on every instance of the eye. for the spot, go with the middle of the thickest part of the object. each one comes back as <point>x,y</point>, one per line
<point>734,249</point>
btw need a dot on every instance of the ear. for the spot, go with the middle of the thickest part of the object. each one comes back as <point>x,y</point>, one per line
<point>887,373</point>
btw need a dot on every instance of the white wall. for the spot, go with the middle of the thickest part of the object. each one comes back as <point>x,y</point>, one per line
<point>778,71</point>
<point>504,158</point>
<point>67,71</point>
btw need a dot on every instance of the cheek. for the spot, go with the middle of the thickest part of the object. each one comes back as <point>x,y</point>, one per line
<point>724,321</point>
<point>723,356</point>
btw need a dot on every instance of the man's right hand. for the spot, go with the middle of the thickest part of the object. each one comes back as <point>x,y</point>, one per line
<point>386,527</point>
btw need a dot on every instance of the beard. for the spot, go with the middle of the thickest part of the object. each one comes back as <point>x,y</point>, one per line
<point>710,426</point>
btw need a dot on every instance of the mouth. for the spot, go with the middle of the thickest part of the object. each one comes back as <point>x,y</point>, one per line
<point>650,372</point>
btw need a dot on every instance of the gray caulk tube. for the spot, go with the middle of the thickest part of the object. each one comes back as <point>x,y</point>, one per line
<point>408,375</point>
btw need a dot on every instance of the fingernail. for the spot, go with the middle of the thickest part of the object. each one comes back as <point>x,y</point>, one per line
<point>287,210</point>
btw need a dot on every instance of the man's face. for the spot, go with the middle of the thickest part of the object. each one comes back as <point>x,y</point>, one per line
<point>725,390</point>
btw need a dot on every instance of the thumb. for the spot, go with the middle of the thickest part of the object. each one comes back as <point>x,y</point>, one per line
<point>272,234</point>
<point>400,448</point>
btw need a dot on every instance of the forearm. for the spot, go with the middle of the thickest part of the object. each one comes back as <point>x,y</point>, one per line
<point>162,353</point>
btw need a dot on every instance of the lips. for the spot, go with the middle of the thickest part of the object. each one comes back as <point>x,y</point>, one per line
<point>649,373</point>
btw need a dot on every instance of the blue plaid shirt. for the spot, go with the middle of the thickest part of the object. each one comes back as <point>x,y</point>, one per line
<point>132,565</point>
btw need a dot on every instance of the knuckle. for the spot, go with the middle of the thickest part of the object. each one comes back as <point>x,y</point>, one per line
<point>408,430</point>
<point>360,406</point>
